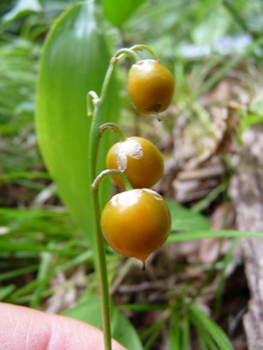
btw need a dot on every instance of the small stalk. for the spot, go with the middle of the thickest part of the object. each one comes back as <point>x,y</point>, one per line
<point>102,268</point>
<point>113,127</point>
<point>105,173</point>
<point>100,261</point>
<point>124,52</point>
<point>145,47</point>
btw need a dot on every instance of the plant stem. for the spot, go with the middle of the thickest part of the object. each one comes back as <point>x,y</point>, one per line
<point>145,47</point>
<point>105,173</point>
<point>113,127</point>
<point>124,52</point>
<point>102,267</point>
<point>95,124</point>
<point>94,138</point>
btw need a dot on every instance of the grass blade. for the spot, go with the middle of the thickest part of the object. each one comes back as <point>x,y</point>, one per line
<point>196,235</point>
<point>214,330</point>
<point>174,334</point>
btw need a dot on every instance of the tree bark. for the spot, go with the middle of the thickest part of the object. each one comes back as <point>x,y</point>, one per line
<point>246,192</point>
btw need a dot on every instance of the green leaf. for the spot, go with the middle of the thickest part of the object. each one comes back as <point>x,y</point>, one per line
<point>88,311</point>
<point>206,341</point>
<point>251,119</point>
<point>25,174</point>
<point>257,105</point>
<point>196,235</point>
<point>22,293</point>
<point>18,272</point>
<point>122,330</point>
<point>118,11</point>
<point>174,332</point>
<point>184,219</point>
<point>41,278</point>
<point>22,8</point>
<point>215,331</point>
<point>143,307</point>
<point>10,246</point>
<point>74,61</point>
<point>152,332</point>
<point>185,332</point>
<point>5,291</point>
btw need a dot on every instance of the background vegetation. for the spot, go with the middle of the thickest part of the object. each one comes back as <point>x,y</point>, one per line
<point>214,50</point>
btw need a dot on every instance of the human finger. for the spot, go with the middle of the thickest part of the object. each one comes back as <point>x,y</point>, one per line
<point>22,328</point>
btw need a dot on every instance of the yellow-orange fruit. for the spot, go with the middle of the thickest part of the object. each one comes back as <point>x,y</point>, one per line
<point>136,223</point>
<point>138,159</point>
<point>150,86</point>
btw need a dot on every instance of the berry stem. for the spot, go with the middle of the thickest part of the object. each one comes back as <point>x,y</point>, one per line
<point>115,128</point>
<point>105,173</point>
<point>100,260</point>
<point>145,47</point>
<point>124,52</point>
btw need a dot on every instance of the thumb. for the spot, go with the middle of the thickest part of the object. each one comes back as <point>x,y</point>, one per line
<point>24,328</point>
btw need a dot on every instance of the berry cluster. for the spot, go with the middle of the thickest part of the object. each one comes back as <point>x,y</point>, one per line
<point>137,222</point>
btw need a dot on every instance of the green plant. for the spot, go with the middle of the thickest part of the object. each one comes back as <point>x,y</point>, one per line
<point>79,67</point>
<point>155,202</point>
<point>138,159</point>
<point>150,86</point>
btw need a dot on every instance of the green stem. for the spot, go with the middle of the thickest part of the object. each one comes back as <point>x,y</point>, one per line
<point>102,267</point>
<point>124,52</point>
<point>95,124</point>
<point>145,47</point>
<point>105,173</point>
<point>113,127</point>
<point>94,138</point>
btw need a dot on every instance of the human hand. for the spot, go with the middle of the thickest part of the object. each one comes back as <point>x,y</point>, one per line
<point>23,328</point>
